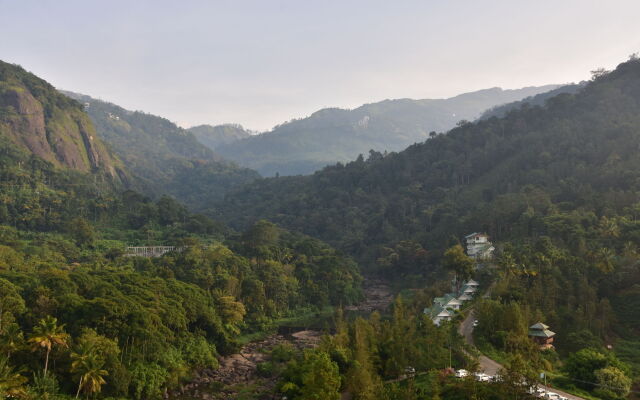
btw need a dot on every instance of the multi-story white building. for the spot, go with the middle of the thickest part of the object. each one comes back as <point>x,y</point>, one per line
<point>479,246</point>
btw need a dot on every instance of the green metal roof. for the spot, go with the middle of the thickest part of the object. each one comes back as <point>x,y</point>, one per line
<point>545,333</point>
<point>540,330</point>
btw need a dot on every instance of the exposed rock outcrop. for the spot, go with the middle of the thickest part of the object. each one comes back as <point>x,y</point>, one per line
<point>40,120</point>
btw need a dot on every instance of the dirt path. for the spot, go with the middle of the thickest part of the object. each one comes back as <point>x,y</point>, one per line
<point>491,367</point>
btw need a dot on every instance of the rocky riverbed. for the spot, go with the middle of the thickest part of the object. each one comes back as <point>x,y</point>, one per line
<point>377,297</point>
<point>239,371</point>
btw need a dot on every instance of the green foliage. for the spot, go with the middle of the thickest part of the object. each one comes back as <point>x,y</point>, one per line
<point>590,368</point>
<point>12,383</point>
<point>313,377</point>
<point>165,159</point>
<point>126,327</point>
<point>456,260</point>
<point>147,380</point>
<point>613,380</point>
<point>320,379</point>
<point>81,231</point>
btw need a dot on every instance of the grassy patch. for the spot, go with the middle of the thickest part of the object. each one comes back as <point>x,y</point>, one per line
<point>304,318</point>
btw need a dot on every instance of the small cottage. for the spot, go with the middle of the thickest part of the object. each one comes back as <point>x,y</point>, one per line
<point>541,334</point>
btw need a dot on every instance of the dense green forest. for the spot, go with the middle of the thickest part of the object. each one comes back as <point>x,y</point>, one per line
<point>164,158</point>
<point>79,317</point>
<point>330,135</point>
<point>555,185</point>
<point>131,327</point>
<point>537,164</point>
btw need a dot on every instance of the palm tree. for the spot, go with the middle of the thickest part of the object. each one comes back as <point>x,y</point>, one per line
<point>605,260</point>
<point>88,365</point>
<point>11,338</point>
<point>11,382</point>
<point>46,335</point>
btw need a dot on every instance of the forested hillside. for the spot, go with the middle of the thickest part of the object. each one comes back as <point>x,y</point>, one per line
<point>76,316</point>
<point>331,135</point>
<point>555,185</point>
<point>214,136</point>
<point>36,118</point>
<point>166,159</point>
<point>578,151</point>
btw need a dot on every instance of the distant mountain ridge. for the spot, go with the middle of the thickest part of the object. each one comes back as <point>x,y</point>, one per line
<point>337,135</point>
<point>537,100</point>
<point>166,158</point>
<point>38,119</point>
<point>214,136</point>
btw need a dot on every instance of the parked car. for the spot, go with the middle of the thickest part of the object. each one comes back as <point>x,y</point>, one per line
<point>480,377</point>
<point>410,372</point>
<point>475,323</point>
<point>462,373</point>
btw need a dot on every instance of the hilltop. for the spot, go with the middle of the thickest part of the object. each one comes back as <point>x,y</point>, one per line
<point>336,135</point>
<point>214,136</point>
<point>39,120</point>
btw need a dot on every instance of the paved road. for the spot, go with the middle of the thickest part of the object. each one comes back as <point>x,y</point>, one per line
<point>490,367</point>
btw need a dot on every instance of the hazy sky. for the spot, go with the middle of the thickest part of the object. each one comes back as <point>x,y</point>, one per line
<point>260,63</point>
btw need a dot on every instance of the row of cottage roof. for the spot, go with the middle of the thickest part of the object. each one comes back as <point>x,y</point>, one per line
<point>444,308</point>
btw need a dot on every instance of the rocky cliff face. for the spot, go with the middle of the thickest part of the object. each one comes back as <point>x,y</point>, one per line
<point>48,124</point>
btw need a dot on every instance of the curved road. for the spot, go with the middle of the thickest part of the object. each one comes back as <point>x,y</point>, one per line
<point>490,367</point>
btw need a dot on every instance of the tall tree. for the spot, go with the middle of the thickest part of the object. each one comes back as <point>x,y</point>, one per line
<point>47,335</point>
<point>88,366</point>
<point>11,338</point>
<point>321,380</point>
<point>456,260</point>
<point>12,384</point>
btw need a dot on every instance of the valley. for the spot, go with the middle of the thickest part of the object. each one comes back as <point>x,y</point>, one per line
<point>481,246</point>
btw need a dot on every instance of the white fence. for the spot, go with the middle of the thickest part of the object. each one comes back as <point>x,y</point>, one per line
<point>151,251</point>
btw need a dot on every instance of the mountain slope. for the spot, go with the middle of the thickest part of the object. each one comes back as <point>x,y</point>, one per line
<point>38,119</point>
<point>214,136</point>
<point>537,100</point>
<point>584,143</point>
<point>168,159</point>
<point>555,186</point>
<point>332,135</point>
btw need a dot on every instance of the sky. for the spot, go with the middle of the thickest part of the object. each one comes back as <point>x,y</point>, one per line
<point>263,62</point>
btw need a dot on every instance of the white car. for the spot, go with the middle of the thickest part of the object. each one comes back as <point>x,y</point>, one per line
<point>462,373</point>
<point>475,323</point>
<point>480,377</point>
<point>410,372</point>
<point>551,396</point>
